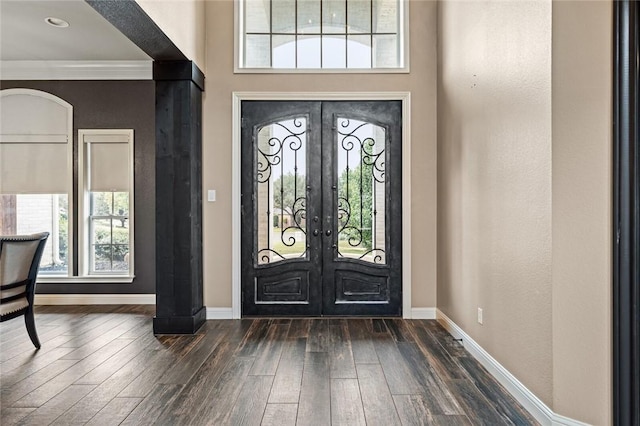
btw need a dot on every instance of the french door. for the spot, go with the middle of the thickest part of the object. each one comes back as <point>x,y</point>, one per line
<point>321,208</point>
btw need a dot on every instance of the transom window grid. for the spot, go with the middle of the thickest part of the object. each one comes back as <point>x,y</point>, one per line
<point>322,34</point>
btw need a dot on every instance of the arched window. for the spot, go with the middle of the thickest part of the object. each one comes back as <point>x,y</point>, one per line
<point>322,34</point>
<point>36,166</point>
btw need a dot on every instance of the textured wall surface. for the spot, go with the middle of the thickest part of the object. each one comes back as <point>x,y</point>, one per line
<point>494,180</point>
<point>183,21</point>
<point>222,82</point>
<point>524,193</point>
<point>582,223</point>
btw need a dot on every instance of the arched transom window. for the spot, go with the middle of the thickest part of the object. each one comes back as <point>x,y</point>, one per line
<point>321,34</point>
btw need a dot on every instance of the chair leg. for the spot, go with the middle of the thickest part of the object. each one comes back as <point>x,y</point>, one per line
<point>31,327</point>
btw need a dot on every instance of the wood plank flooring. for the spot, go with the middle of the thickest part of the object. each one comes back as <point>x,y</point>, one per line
<point>102,365</point>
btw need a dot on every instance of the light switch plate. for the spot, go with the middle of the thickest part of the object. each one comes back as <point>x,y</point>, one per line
<point>211,195</point>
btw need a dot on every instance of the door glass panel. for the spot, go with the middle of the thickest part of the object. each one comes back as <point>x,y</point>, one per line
<point>308,17</point>
<point>359,16</point>
<point>385,16</point>
<point>283,20</point>
<point>257,51</point>
<point>257,16</point>
<point>334,16</point>
<point>359,51</point>
<point>334,51</point>
<point>284,51</point>
<point>361,191</point>
<point>281,191</point>
<point>309,52</point>
<point>386,54</point>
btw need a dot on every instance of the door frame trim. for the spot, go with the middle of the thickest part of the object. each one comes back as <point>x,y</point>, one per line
<point>236,229</point>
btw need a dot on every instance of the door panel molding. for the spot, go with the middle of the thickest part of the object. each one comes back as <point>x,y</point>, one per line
<point>404,97</point>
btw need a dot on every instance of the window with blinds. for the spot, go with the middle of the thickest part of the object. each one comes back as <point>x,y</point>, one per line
<point>107,188</point>
<point>36,163</point>
<point>36,187</point>
<point>321,34</point>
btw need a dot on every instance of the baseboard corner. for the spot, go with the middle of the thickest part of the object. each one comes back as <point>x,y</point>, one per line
<point>219,313</point>
<point>559,420</point>
<point>534,405</point>
<point>423,313</point>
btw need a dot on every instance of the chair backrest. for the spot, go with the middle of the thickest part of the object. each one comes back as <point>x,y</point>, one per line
<point>20,257</point>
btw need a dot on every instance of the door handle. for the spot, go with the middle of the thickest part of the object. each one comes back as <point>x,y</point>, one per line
<point>316,232</point>
<point>328,232</point>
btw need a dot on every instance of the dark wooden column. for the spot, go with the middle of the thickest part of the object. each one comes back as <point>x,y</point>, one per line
<point>179,304</point>
<point>179,87</point>
<point>626,214</point>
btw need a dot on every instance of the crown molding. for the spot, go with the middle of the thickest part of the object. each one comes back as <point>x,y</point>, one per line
<point>76,70</point>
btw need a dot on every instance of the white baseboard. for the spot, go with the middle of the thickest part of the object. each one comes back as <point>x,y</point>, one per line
<point>423,313</point>
<point>415,313</point>
<point>219,313</point>
<point>559,420</point>
<point>95,299</point>
<point>538,409</point>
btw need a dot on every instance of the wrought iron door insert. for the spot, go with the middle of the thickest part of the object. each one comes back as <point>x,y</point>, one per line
<point>321,219</point>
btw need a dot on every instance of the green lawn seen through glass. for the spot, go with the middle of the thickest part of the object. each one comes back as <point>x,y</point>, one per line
<point>298,248</point>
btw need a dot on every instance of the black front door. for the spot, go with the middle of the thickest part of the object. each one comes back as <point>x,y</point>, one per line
<point>321,208</point>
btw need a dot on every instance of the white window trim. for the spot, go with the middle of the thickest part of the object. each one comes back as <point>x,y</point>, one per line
<point>236,230</point>
<point>70,204</point>
<point>83,210</point>
<point>239,30</point>
<point>90,279</point>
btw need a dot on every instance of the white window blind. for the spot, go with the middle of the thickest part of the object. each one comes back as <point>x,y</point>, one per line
<point>34,168</point>
<point>109,162</point>
<point>35,146</point>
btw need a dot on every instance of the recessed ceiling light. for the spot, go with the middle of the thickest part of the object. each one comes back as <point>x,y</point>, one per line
<point>56,22</point>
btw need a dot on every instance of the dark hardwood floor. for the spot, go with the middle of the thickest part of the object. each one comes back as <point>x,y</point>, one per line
<point>102,365</point>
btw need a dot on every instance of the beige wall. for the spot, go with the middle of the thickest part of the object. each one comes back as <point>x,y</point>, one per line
<point>524,193</point>
<point>524,176</point>
<point>582,111</point>
<point>183,21</point>
<point>217,167</point>
<point>494,180</point>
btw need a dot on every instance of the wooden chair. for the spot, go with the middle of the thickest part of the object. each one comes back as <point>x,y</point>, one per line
<point>19,263</point>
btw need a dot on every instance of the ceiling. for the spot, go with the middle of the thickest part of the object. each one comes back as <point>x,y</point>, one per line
<point>24,35</point>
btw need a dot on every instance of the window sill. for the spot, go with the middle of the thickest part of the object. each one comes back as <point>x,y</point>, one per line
<point>404,70</point>
<point>105,279</point>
